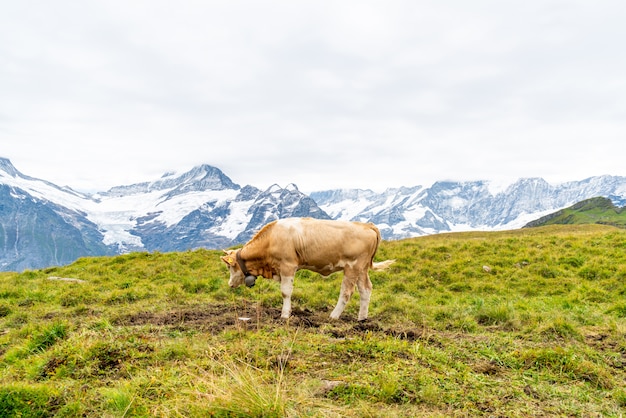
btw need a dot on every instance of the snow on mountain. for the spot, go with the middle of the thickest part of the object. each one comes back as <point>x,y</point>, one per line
<point>166,201</point>
<point>450,206</point>
<point>345,204</point>
<point>203,198</point>
<point>198,179</point>
<point>42,224</point>
<point>116,211</point>
<point>40,189</point>
<point>117,215</point>
<point>198,208</point>
<point>276,203</point>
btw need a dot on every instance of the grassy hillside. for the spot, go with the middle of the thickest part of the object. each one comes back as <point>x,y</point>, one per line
<point>520,323</point>
<point>598,210</point>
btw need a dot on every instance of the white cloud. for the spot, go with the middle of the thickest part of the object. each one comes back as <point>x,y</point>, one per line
<point>324,94</point>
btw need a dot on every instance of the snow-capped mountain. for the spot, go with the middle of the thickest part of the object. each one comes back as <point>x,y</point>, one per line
<point>462,206</point>
<point>42,224</point>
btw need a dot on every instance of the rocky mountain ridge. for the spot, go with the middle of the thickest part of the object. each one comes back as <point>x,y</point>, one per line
<point>461,206</point>
<point>42,224</point>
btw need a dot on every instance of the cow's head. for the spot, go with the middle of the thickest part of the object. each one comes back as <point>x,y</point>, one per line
<point>236,275</point>
<point>238,272</point>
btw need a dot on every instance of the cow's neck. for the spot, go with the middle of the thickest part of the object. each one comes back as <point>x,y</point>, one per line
<point>242,264</point>
<point>256,266</point>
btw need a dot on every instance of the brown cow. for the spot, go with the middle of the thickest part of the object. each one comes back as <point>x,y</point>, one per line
<point>282,247</point>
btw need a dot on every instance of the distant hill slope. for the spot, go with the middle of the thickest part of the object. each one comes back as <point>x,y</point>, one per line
<point>597,210</point>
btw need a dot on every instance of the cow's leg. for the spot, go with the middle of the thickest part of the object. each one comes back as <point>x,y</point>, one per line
<point>347,288</point>
<point>365,292</point>
<point>286,288</point>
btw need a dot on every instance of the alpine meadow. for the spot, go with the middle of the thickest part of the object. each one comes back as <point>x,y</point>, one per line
<point>528,322</point>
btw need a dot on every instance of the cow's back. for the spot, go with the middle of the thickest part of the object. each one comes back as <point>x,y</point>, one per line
<point>317,243</point>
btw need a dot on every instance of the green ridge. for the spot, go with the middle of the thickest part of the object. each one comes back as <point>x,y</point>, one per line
<point>597,210</point>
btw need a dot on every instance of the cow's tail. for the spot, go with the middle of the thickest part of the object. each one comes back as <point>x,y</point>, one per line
<point>382,265</point>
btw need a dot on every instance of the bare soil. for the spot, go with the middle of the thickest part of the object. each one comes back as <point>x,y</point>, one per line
<point>215,318</point>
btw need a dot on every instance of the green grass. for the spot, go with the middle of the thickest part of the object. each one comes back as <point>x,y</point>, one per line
<point>516,323</point>
<point>597,210</point>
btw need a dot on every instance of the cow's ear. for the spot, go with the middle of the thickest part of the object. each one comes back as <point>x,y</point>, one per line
<point>228,260</point>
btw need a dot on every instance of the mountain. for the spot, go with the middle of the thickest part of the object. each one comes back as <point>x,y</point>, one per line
<point>220,220</point>
<point>597,210</point>
<point>461,206</point>
<point>42,224</point>
<point>36,231</point>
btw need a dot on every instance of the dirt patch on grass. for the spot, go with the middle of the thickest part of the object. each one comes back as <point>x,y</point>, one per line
<point>216,318</point>
<point>609,343</point>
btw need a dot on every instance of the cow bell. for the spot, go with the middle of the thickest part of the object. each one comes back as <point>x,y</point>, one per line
<point>250,280</point>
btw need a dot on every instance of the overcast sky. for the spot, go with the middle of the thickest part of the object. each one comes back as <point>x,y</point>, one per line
<point>323,94</point>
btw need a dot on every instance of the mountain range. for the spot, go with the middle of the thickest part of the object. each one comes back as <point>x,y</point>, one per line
<point>42,224</point>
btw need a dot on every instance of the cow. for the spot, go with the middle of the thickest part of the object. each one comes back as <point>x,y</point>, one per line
<point>287,245</point>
